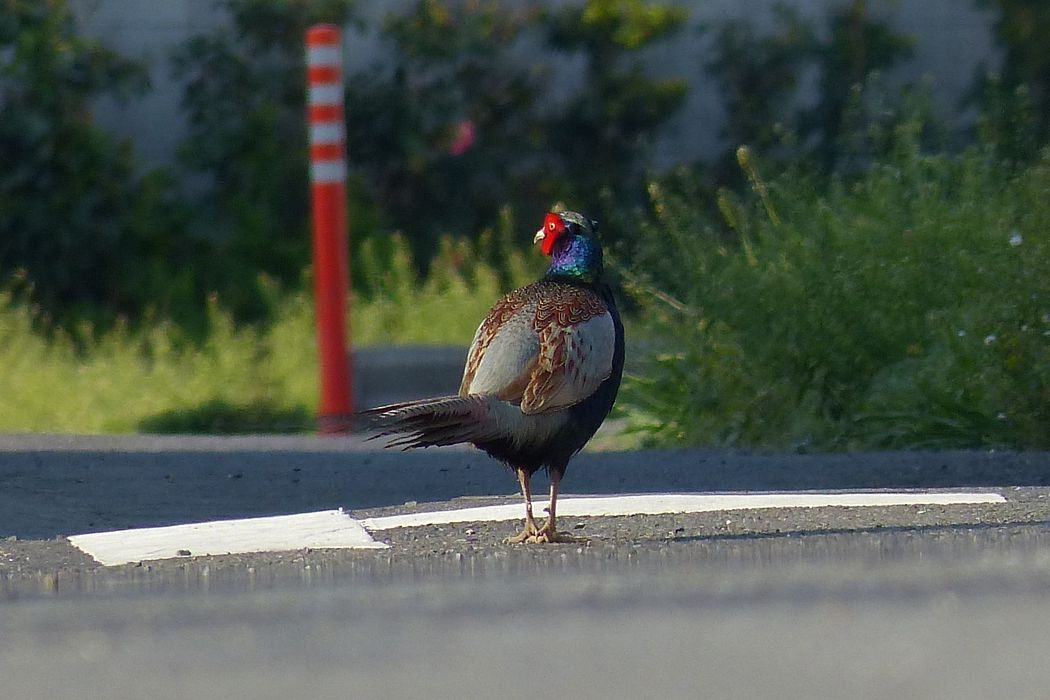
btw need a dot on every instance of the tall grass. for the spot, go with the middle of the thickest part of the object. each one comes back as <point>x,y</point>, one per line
<point>907,306</point>
<point>243,378</point>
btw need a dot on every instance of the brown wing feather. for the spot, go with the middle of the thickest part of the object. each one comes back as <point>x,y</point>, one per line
<point>557,322</point>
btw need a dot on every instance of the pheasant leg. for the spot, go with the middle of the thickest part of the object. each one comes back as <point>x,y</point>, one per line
<point>549,531</point>
<point>530,528</point>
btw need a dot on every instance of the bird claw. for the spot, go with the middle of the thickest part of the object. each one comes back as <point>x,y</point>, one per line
<point>526,535</point>
<point>549,535</point>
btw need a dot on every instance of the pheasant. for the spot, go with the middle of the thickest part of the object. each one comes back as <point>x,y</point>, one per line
<point>541,374</point>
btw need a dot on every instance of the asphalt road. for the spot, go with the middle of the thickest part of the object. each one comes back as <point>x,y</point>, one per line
<point>55,485</point>
<point>939,602</point>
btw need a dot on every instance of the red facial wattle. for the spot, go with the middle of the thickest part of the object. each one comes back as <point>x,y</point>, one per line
<point>552,229</point>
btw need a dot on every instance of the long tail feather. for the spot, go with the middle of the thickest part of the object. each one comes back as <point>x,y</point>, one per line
<point>447,420</point>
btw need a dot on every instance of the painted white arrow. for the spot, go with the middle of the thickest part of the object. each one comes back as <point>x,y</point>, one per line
<point>327,529</point>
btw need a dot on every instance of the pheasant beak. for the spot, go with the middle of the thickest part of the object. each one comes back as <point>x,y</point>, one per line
<point>540,235</point>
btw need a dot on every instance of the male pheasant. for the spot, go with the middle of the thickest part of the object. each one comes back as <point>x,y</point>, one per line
<point>541,374</point>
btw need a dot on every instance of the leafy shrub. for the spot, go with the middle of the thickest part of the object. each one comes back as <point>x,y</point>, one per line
<point>909,306</point>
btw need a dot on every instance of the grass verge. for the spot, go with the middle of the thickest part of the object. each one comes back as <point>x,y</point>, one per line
<point>239,379</point>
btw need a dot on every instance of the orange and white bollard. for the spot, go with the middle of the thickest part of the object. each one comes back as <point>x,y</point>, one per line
<point>324,55</point>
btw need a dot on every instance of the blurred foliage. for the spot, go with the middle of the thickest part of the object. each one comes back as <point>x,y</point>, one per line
<point>451,128</point>
<point>1022,27</point>
<point>1008,120</point>
<point>908,306</point>
<point>761,76</point>
<point>247,144</point>
<point>444,132</point>
<point>221,417</point>
<point>867,294</point>
<point>460,127</point>
<point>1015,99</point>
<point>859,46</point>
<point>452,136</point>
<point>87,230</point>
<point>602,133</point>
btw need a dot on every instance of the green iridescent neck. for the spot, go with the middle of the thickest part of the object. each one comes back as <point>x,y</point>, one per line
<point>576,257</point>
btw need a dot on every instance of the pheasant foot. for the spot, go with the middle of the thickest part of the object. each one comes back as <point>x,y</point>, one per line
<point>528,532</point>
<point>549,534</point>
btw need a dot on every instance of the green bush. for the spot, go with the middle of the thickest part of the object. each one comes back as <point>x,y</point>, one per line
<point>908,306</point>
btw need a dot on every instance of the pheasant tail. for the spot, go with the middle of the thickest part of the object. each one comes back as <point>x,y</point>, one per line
<point>447,420</point>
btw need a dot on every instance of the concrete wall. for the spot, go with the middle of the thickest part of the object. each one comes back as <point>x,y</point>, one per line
<point>953,37</point>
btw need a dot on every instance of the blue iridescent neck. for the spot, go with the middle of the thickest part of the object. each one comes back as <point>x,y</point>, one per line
<point>576,257</point>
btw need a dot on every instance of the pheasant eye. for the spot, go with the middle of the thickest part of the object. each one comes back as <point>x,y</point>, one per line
<point>551,226</point>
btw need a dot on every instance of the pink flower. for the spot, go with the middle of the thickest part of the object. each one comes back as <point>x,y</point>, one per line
<point>463,138</point>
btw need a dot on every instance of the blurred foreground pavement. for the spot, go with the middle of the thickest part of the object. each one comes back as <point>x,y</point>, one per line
<point>892,615</point>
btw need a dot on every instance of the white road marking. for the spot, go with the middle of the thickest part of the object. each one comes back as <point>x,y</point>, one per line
<point>658,504</point>
<point>334,529</point>
<point>325,529</point>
